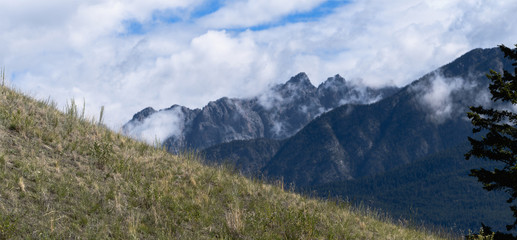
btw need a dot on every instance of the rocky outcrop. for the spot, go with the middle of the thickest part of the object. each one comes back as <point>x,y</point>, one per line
<point>276,114</point>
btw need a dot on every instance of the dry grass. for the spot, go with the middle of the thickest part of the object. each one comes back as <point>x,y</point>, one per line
<point>66,177</point>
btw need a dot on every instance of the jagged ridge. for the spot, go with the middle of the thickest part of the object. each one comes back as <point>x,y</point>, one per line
<point>276,114</point>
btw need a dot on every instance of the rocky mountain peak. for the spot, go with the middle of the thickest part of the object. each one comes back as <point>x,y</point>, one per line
<point>301,80</point>
<point>144,113</point>
<point>335,82</point>
<point>277,114</point>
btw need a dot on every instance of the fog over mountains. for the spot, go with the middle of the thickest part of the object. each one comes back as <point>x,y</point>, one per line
<point>275,114</point>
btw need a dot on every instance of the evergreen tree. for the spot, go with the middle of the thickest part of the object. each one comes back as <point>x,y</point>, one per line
<point>499,143</point>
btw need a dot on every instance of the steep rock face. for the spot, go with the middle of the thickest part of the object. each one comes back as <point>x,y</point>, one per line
<point>140,116</point>
<point>275,114</point>
<point>225,120</point>
<point>287,108</point>
<point>337,88</point>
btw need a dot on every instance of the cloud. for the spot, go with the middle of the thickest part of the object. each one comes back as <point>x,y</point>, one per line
<point>249,13</point>
<point>438,96</point>
<point>158,126</point>
<point>270,99</point>
<point>87,50</point>
<point>278,128</point>
<point>395,44</point>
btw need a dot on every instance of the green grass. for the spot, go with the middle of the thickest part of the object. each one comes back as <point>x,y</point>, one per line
<point>63,176</point>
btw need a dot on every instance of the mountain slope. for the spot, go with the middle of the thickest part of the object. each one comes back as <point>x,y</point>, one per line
<point>436,190</point>
<point>276,114</point>
<point>248,156</point>
<point>423,118</point>
<point>65,177</point>
<point>353,149</point>
<point>353,141</point>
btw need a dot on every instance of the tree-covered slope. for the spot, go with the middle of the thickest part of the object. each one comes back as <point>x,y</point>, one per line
<point>66,177</point>
<point>247,156</point>
<point>435,190</point>
<point>425,117</point>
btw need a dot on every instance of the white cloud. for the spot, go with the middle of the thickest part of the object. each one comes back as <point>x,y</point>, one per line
<point>437,96</point>
<point>250,13</point>
<point>82,50</point>
<point>158,126</point>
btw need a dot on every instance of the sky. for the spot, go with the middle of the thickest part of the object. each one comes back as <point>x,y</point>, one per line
<point>131,54</point>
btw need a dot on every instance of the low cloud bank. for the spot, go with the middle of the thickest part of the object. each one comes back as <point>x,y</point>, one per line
<point>158,126</point>
<point>444,98</point>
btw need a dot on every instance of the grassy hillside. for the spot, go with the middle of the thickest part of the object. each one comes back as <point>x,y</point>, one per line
<point>63,176</point>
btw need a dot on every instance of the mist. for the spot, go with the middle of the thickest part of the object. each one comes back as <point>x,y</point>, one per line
<point>158,127</point>
<point>444,98</point>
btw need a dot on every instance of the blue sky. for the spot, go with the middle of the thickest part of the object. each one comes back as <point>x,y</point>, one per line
<point>127,55</point>
<point>185,15</point>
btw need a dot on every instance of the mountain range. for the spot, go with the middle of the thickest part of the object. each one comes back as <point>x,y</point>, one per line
<point>275,114</point>
<point>387,148</point>
<point>357,140</point>
<point>359,145</point>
